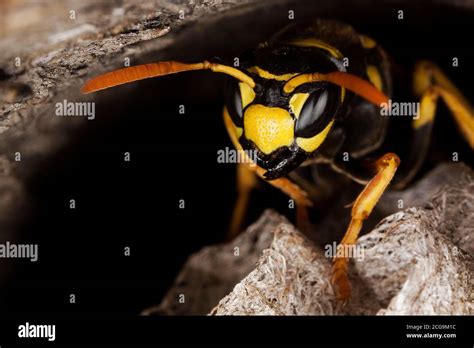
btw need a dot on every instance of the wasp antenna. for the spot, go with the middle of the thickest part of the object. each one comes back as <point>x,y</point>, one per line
<point>135,73</point>
<point>353,83</point>
<point>236,73</point>
<point>145,71</point>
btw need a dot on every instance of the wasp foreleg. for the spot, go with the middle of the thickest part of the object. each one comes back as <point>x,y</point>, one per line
<point>246,182</point>
<point>385,167</point>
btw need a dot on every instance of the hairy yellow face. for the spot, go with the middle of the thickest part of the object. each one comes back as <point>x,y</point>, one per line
<point>268,128</point>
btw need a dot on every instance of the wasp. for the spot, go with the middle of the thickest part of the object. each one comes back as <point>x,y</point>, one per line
<point>305,97</point>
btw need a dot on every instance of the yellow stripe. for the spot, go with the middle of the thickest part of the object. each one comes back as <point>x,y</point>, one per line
<point>269,76</point>
<point>317,43</point>
<point>367,42</point>
<point>297,101</point>
<point>311,144</point>
<point>233,131</point>
<point>247,94</point>
<point>374,76</point>
<point>427,110</point>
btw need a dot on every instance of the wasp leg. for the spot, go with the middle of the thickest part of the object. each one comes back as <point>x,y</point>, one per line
<point>246,182</point>
<point>296,193</point>
<point>385,167</point>
<point>430,83</point>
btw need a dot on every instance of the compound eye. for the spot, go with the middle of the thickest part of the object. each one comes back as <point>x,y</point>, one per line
<point>317,112</point>
<point>233,102</point>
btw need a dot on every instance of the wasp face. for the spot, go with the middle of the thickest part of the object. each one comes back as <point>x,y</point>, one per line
<point>280,130</point>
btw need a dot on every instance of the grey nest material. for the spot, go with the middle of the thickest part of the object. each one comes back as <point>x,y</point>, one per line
<point>416,261</point>
<point>292,277</point>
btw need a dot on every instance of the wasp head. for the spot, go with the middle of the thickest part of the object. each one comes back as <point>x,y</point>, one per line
<point>280,130</point>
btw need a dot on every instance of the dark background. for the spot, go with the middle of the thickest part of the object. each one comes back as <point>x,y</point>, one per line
<point>173,157</point>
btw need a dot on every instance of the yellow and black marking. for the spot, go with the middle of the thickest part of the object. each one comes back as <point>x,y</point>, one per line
<point>285,128</point>
<point>294,100</point>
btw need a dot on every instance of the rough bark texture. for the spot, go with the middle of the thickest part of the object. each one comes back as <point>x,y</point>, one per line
<point>46,53</point>
<point>416,261</point>
<point>49,49</point>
